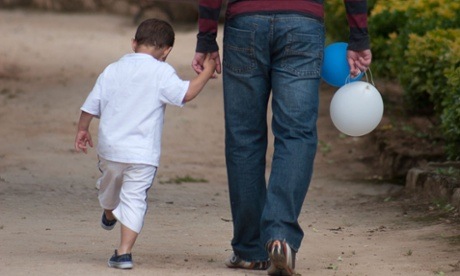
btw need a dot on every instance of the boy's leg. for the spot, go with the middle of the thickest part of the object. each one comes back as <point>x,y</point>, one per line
<point>128,238</point>
<point>109,185</point>
<point>137,180</point>
<point>122,257</point>
<point>130,212</point>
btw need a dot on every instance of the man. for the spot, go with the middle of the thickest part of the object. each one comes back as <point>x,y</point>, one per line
<point>272,48</point>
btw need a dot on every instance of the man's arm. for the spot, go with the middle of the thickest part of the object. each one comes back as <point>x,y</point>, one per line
<point>357,22</point>
<point>208,23</point>
<point>359,55</point>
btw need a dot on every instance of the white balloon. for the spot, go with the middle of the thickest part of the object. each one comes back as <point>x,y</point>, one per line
<point>356,108</point>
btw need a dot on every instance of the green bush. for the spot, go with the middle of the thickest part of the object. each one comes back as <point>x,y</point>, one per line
<point>384,24</point>
<point>392,21</point>
<point>335,21</point>
<point>423,74</point>
<point>417,42</point>
<point>430,79</point>
<point>450,116</point>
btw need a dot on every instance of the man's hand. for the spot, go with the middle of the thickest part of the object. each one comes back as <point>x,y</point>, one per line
<point>198,61</point>
<point>359,61</point>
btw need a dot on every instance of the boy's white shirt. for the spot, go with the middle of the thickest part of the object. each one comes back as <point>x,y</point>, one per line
<point>130,98</point>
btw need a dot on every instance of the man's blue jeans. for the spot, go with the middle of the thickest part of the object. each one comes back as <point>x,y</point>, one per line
<point>281,55</point>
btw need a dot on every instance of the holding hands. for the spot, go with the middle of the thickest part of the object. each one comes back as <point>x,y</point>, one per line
<point>202,60</point>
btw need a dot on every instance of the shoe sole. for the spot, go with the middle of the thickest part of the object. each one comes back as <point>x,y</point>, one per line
<point>105,226</point>
<point>120,265</point>
<point>236,262</point>
<point>108,228</point>
<point>280,260</point>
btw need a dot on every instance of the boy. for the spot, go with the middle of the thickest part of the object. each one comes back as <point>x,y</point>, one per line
<point>129,98</point>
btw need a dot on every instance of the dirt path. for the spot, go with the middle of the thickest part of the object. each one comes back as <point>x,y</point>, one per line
<point>49,215</point>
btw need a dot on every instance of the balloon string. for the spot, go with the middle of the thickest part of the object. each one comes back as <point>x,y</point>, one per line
<point>365,74</point>
<point>372,78</point>
<point>348,79</point>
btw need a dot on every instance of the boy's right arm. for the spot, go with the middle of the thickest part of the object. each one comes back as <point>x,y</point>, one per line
<point>83,137</point>
<point>197,84</point>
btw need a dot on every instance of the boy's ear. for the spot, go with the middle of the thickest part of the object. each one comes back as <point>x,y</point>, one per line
<point>133,44</point>
<point>166,52</point>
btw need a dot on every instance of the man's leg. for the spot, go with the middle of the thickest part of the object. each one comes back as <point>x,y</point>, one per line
<point>297,56</point>
<point>246,94</point>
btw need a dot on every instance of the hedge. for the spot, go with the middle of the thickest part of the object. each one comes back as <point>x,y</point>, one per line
<point>417,42</point>
<point>392,21</point>
<point>431,69</point>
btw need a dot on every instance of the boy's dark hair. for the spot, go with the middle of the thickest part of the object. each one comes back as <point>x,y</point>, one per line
<point>155,32</point>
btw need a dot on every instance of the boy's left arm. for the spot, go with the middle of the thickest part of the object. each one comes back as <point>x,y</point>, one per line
<point>83,137</point>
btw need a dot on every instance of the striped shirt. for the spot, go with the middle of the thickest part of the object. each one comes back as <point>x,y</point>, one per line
<point>210,11</point>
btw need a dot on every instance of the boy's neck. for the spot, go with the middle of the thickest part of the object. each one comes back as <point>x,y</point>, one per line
<point>149,50</point>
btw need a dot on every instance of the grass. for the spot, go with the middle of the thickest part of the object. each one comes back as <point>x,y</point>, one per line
<point>453,240</point>
<point>332,267</point>
<point>324,147</point>
<point>443,206</point>
<point>408,253</point>
<point>450,171</point>
<point>184,179</point>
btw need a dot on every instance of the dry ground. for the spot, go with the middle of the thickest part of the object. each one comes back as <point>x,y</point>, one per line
<point>49,214</point>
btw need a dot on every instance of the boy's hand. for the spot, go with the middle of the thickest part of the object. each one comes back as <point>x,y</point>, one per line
<point>83,139</point>
<point>209,64</point>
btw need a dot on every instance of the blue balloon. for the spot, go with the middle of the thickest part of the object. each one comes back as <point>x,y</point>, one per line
<point>335,70</point>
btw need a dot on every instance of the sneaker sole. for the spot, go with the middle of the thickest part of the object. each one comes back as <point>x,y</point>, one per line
<point>110,225</point>
<point>120,265</point>
<point>108,228</point>
<point>235,262</point>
